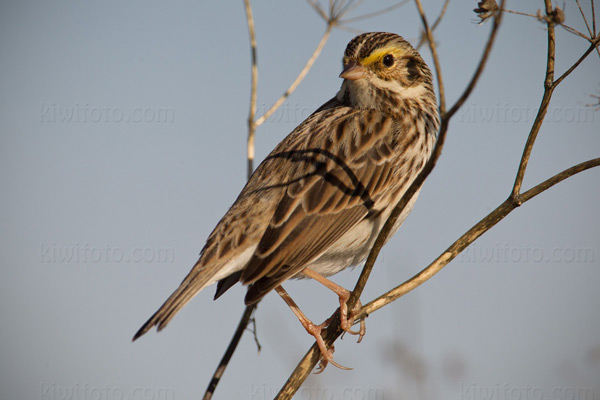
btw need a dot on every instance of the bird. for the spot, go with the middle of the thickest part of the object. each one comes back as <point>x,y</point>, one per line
<point>315,205</point>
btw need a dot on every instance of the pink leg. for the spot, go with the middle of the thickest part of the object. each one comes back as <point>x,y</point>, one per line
<point>312,329</point>
<point>345,321</point>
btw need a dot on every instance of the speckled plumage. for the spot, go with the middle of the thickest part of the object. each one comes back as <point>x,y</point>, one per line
<point>321,196</point>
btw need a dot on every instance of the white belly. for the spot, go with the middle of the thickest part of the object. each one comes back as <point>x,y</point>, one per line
<point>353,248</point>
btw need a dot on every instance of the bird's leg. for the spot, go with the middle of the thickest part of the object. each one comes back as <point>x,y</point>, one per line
<point>312,329</point>
<point>346,318</point>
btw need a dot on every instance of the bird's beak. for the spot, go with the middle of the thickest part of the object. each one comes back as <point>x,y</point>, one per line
<point>353,71</point>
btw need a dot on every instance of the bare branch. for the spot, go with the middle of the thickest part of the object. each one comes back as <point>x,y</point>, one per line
<point>253,89</point>
<point>298,79</point>
<point>318,9</point>
<point>539,119</point>
<point>376,13</point>
<point>436,61</point>
<point>561,176</point>
<point>575,32</point>
<point>486,52</point>
<point>469,237</point>
<point>593,18</point>
<point>435,24</point>
<point>584,18</point>
<point>212,386</point>
<point>549,85</point>
<point>220,370</point>
<point>519,13</point>
<point>593,46</point>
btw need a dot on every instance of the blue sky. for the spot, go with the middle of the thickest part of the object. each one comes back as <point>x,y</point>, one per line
<point>123,143</point>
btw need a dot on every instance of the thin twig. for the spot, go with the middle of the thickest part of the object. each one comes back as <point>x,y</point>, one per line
<point>235,340</point>
<point>482,62</point>
<point>435,24</point>
<point>593,46</point>
<point>539,119</point>
<point>575,32</point>
<point>469,237</point>
<point>375,13</point>
<point>298,79</point>
<point>561,176</point>
<point>593,17</point>
<point>436,60</point>
<point>518,13</point>
<point>566,27</point>
<point>253,89</point>
<point>212,386</point>
<point>318,9</point>
<point>584,18</point>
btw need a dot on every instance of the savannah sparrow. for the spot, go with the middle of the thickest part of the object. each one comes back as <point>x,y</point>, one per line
<point>315,205</point>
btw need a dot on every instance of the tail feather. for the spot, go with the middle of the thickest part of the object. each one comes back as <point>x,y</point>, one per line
<point>190,287</point>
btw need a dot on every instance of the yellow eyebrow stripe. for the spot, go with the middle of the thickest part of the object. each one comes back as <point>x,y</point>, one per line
<point>379,53</point>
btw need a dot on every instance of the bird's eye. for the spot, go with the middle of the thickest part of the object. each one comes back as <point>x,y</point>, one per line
<point>388,60</point>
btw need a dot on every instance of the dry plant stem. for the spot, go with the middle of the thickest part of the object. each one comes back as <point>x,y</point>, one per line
<point>593,17</point>
<point>220,370</point>
<point>539,119</point>
<point>584,18</point>
<point>518,13</point>
<point>299,78</point>
<point>477,74</point>
<point>253,89</point>
<point>212,386</point>
<point>435,24</point>
<point>375,14</point>
<point>436,60</point>
<point>470,236</point>
<point>591,32</point>
<point>549,85</point>
<point>594,44</point>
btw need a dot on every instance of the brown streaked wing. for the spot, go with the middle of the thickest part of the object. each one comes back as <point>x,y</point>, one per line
<point>298,251</point>
<point>327,198</point>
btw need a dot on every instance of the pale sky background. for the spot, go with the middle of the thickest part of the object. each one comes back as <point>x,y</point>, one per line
<point>122,143</point>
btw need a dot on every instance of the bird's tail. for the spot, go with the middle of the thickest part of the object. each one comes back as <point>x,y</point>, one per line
<point>193,283</point>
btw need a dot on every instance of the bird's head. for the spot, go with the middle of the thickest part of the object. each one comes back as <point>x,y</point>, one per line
<point>380,70</point>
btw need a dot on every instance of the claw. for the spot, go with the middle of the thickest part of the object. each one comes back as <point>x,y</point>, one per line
<point>346,318</point>
<point>327,358</point>
<point>313,330</point>
<point>326,353</point>
<point>347,321</point>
